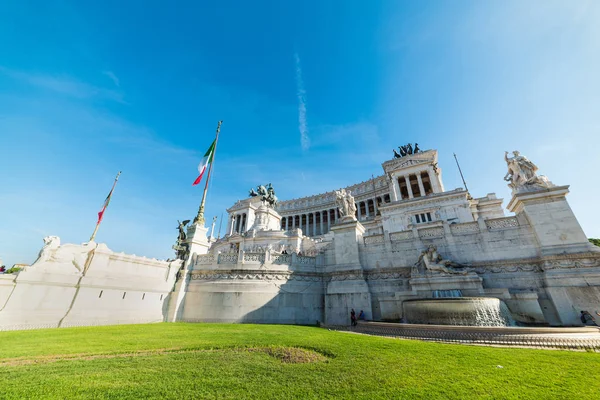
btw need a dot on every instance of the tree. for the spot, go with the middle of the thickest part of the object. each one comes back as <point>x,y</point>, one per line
<point>595,242</point>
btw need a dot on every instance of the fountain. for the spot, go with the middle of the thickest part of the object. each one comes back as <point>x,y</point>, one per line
<point>448,307</point>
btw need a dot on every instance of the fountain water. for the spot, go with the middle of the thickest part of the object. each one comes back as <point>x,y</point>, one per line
<point>448,307</point>
<point>446,293</point>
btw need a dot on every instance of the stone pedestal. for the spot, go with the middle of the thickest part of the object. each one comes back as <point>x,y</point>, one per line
<point>469,284</point>
<point>198,244</point>
<point>266,219</point>
<point>554,224</point>
<point>347,234</point>
<point>344,293</point>
<point>347,288</point>
<point>197,240</point>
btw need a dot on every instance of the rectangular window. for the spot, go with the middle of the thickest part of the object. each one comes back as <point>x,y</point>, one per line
<point>423,217</point>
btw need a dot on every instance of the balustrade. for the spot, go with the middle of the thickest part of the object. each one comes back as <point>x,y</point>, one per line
<point>466,228</point>
<point>403,235</point>
<point>228,258</point>
<point>373,239</point>
<point>501,223</point>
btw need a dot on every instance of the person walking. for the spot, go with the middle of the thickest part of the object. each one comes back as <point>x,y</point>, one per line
<point>353,317</point>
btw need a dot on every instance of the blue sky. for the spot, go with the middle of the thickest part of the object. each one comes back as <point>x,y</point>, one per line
<point>314,95</point>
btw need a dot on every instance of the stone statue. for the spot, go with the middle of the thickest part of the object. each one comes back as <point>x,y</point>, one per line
<point>50,243</point>
<point>409,148</point>
<point>271,198</point>
<point>267,192</point>
<point>416,150</point>
<point>396,155</point>
<point>181,248</point>
<point>57,257</point>
<point>345,203</point>
<point>182,236</point>
<point>402,151</point>
<point>431,261</point>
<point>522,173</point>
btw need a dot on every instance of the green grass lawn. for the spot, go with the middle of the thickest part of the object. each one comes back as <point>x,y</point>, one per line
<point>268,361</point>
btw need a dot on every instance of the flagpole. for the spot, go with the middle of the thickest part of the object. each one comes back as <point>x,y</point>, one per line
<point>99,219</point>
<point>200,217</point>
<point>220,224</point>
<point>461,174</point>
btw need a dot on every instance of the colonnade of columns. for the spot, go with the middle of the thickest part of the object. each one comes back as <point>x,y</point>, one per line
<point>319,222</point>
<point>414,185</point>
<point>237,223</point>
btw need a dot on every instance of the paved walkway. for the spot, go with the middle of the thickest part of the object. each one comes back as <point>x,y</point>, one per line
<point>584,338</point>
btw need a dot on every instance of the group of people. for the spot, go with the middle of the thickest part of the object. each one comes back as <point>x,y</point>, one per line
<point>588,319</point>
<point>353,319</point>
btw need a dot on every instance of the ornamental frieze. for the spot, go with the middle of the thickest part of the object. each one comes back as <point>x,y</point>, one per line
<point>569,264</point>
<point>260,276</point>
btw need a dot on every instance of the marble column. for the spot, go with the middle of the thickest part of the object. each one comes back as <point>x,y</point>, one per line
<point>306,227</point>
<point>293,222</point>
<point>321,213</point>
<point>314,221</point>
<point>395,194</point>
<point>231,225</point>
<point>375,205</point>
<point>436,183</point>
<point>367,208</point>
<point>328,220</point>
<point>408,187</point>
<point>359,211</point>
<point>421,187</point>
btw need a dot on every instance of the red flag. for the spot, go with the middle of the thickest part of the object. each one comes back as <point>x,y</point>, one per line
<point>101,213</point>
<point>207,159</point>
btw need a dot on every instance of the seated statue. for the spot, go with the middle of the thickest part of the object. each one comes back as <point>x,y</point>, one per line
<point>431,261</point>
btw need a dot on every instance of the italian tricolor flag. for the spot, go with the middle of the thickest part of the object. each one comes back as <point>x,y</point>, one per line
<point>207,159</point>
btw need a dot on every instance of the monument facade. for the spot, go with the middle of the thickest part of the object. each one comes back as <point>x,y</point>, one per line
<point>371,246</point>
<point>397,237</point>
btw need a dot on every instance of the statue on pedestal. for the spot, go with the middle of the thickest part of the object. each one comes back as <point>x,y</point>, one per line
<point>522,173</point>
<point>345,203</point>
<point>431,261</point>
<point>181,248</point>
<point>267,192</point>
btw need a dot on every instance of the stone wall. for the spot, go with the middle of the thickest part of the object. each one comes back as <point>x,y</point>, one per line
<point>249,287</point>
<point>503,252</point>
<point>99,288</point>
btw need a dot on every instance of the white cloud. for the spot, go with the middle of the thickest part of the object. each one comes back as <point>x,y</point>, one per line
<point>112,77</point>
<point>64,85</point>
<point>301,93</point>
